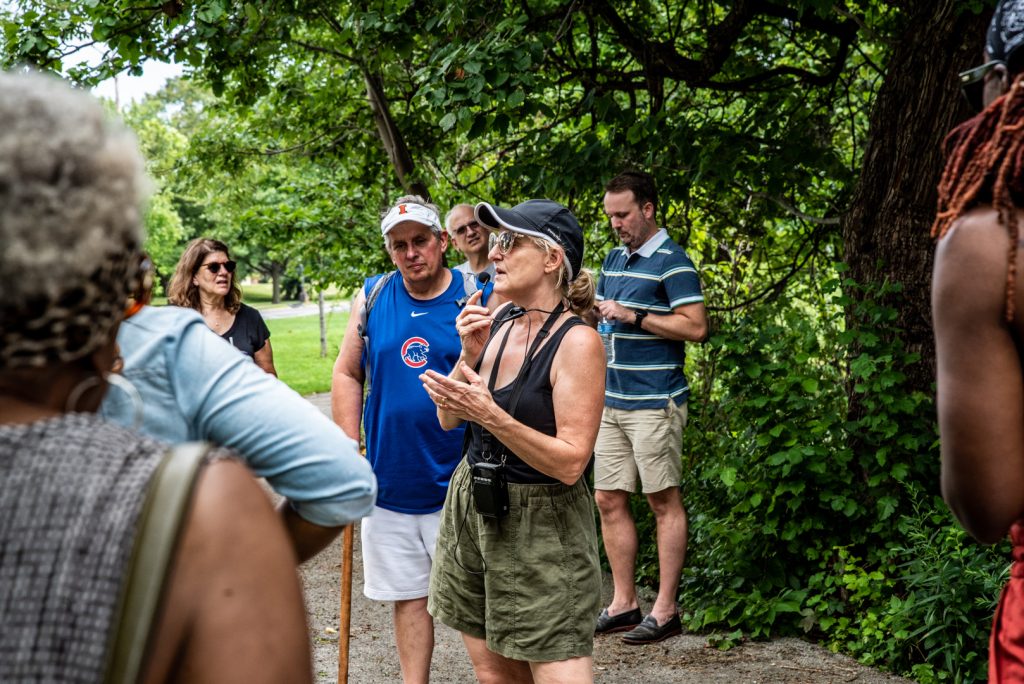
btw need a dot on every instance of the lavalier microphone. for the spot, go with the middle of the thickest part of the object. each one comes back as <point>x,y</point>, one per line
<point>513,313</point>
<point>484,281</point>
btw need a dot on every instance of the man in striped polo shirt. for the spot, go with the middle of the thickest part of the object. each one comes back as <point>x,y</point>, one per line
<point>650,291</point>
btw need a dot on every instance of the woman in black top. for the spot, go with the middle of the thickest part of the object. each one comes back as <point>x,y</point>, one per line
<point>204,281</point>
<point>518,573</point>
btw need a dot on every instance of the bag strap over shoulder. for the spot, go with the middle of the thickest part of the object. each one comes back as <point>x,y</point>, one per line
<point>469,284</point>
<point>371,299</point>
<point>159,528</point>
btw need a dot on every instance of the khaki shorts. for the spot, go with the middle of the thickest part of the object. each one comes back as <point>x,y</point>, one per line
<point>642,444</point>
<point>529,584</point>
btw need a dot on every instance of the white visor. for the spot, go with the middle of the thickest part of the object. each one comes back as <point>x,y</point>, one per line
<point>410,211</point>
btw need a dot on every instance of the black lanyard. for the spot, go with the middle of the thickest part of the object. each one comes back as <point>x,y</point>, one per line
<point>486,438</point>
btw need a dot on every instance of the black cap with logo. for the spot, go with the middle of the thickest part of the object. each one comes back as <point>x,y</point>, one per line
<point>540,218</point>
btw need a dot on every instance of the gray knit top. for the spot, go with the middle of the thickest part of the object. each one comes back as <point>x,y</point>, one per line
<point>71,492</point>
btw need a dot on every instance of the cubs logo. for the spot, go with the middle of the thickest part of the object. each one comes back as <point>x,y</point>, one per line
<point>414,352</point>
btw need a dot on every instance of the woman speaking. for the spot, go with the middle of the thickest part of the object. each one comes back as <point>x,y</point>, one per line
<point>516,569</point>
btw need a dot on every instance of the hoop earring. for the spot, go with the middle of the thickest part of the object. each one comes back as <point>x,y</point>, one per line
<point>70,406</point>
<point>125,385</point>
<point>114,380</point>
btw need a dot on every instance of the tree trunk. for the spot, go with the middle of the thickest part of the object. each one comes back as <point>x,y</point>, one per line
<point>276,271</point>
<point>886,232</point>
<point>323,324</point>
<point>391,137</point>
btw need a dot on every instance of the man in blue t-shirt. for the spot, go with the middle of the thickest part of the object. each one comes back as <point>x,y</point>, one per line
<point>409,328</point>
<point>650,291</point>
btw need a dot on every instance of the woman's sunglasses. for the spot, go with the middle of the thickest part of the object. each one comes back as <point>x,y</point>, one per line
<point>228,265</point>
<point>972,83</point>
<point>504,241</point>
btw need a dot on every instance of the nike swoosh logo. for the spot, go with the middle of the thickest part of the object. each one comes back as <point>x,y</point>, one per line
<point>414,314</point>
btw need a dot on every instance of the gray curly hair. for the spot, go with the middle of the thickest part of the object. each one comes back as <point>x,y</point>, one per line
<point>71,190</point>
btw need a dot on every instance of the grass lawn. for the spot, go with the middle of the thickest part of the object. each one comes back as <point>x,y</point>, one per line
<point>296,344</point>
<point>260,296</point>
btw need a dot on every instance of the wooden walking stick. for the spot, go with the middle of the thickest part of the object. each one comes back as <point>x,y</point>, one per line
<point>345,612</point>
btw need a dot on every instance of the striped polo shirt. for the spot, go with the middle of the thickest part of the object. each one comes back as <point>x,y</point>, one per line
<point>658,277</point>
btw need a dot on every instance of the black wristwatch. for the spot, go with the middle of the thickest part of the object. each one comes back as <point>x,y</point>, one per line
<point>640,316</point>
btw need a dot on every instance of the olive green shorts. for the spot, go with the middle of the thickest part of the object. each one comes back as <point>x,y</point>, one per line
<point>530,584</point>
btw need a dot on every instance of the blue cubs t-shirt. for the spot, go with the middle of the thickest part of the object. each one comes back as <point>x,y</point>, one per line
<point>412,457</point>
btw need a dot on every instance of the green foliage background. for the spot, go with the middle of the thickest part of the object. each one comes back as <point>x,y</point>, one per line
<point>812,455</point>
<point>805,522</point>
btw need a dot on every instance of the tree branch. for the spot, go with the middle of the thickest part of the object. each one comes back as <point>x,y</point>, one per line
<point>660,60</point>
<point>324,50</point>
<point>789,207</point>
<point>779,284</point>
<point>390,136</point>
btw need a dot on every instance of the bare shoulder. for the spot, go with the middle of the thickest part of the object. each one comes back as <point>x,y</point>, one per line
<point>581,338</point>
<point>227,487</point>
<point>978,236</point>
<point>233,588</point>
<point>580,356</point>
<point>971,265</point>
<point>358,299</point>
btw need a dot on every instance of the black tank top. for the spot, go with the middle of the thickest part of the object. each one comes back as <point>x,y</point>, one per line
<point>535,409</point>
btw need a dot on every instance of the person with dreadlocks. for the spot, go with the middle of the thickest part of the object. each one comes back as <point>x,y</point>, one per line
<point>979,333</point>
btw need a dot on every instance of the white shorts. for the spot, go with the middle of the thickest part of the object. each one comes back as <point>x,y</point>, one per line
<point>398,550</point>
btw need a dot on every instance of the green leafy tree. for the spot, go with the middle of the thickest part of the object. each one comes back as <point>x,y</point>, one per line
<point>786,137</point>
<point>163,146</point>
<point>165,238</point>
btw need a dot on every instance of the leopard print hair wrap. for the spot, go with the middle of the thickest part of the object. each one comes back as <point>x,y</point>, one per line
<point>71,187</point>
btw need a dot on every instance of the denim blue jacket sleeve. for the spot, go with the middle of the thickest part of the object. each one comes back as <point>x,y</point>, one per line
<point>195,386</point>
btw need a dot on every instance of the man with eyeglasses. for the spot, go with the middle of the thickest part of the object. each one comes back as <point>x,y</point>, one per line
<point>471,239</point>
<point>402,324</point>
<point>977,302</point>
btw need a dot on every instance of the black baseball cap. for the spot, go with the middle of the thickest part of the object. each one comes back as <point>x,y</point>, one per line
<point>542,218</point>
<point>1006,34</point>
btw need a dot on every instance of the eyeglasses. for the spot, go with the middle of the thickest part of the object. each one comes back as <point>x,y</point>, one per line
<point>228,265</point>
<point>504,241</point>
<point>144,292</point>
<point>972,83</point>
<point>461,230</point>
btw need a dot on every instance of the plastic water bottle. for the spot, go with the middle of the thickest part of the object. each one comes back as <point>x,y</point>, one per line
<point>604,329</point>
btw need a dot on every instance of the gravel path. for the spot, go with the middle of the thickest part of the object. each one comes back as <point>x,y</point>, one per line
<point>685,659</point>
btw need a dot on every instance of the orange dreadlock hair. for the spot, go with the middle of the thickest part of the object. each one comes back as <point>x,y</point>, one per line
<point>985,165</point>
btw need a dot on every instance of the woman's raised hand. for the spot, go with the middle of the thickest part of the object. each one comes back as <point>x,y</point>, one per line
<point>469,400</point>
<point>473,325</point>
